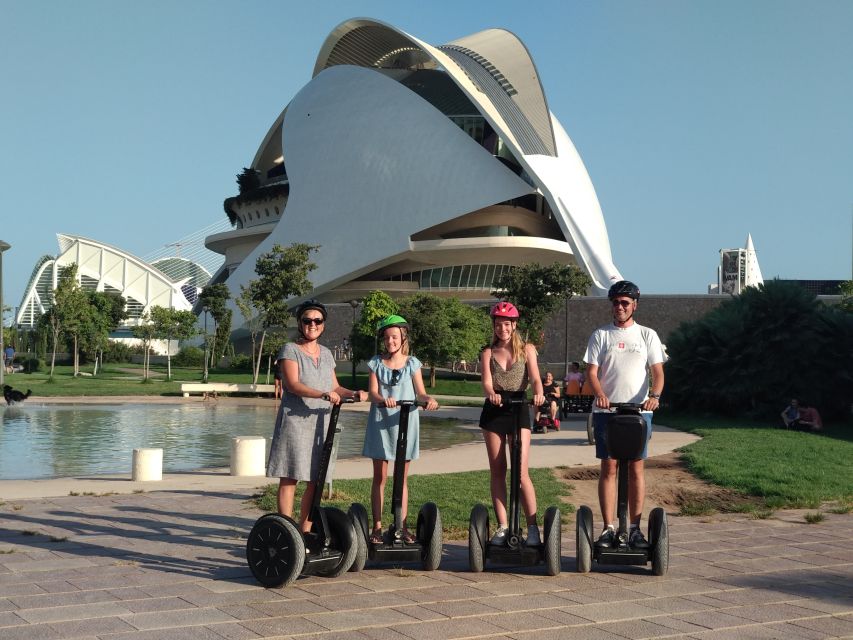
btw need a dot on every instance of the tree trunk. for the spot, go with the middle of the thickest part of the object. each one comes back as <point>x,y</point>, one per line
<point>432,376</point>
<point>169,359</point>
<point>76,358</point>
<point>53,357</point>
<point>260,351</point>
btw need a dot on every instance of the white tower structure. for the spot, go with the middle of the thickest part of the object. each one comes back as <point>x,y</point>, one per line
<point>739,269</point>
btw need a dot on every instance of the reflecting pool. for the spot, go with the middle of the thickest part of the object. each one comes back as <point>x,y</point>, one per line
<point>54,441</point>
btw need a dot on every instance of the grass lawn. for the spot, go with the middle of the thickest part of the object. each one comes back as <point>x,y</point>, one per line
<point>455,494</point>
<point>785,469</point>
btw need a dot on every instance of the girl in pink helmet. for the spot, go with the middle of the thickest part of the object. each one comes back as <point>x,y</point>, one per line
<point>508,366</point>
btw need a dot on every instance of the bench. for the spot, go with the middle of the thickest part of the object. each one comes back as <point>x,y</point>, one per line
<point>212,389</point>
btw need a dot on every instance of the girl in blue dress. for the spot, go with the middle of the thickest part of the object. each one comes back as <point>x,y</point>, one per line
<point>394,375</point>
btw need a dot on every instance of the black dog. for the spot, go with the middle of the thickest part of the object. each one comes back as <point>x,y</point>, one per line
<point>13,395</point>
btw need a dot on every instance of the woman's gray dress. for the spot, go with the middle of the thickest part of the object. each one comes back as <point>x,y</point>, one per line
<point>300,427</point>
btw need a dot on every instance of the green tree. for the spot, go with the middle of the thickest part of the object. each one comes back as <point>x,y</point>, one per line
<point>846,290</point>
<point>215,298</point>
<point>282,274</point>
<point>375,306</point>
<point>753,353</point>
<point>430,334</point>
<point>71,309</point>
<point>252,319</point>
<point>145,332</point>
<point>172,324</point>
<point>470,328</point>
<point>107,311</point>
<point>539,291</point>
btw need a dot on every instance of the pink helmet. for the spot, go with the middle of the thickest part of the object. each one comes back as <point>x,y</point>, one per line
<point>504,310</point>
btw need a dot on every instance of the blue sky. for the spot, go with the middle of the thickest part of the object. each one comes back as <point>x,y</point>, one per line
<point>698,122</point>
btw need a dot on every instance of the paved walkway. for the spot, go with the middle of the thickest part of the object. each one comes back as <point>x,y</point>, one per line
<point>170,564</point>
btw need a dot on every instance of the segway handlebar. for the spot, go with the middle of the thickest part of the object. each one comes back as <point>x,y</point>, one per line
<point>405,403</point>
<point>509,400</point>
<point>626,405</point>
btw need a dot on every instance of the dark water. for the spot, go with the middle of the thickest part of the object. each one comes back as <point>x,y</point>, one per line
<point>51,441</point>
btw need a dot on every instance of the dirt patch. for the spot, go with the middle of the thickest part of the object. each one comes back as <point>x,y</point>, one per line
<point>668,484</point>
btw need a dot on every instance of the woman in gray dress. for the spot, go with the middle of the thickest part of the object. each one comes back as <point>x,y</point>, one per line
<point>310,386</point>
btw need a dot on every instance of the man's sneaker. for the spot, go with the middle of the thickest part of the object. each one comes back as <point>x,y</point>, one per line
<point>500,536</point>
<point>533,538</point>
<point>636,539</point>
<point>607,539</point>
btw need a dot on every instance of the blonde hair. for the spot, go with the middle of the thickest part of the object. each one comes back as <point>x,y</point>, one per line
<point>516,343</point>
<point>404,338</point>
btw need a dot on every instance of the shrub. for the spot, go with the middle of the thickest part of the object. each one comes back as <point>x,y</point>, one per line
<point>189,357</point>
<point>31,365</point>
<point>241,362</point>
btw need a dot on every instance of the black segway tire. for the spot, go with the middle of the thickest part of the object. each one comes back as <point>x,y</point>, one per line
<point>590,430</point>
<point>275,550</point>
<point>358,516</point>
<point>478,538</point>
<point>583,533</point>
<point>659,541</point>
<point>552,541</point>
<point>428,531</point>
<point>342,538</point>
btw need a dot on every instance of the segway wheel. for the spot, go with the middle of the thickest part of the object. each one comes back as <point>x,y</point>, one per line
<point>428,531</point>
<point>659,541</point>
<point>590,430</point>
<point>478,538</point>
<point>342,537</point>
<point>583,531</point>
<point>358,516</point>
<point>552,541</point>
<point>275,550</point>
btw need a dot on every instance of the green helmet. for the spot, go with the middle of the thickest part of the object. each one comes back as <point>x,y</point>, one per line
<point>391,321</point>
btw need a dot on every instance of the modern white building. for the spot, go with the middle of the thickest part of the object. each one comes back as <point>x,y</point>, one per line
<point>417,168</point>
<point>738,269</point>
<point>102,267</point>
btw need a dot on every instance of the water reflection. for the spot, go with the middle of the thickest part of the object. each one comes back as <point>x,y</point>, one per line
<point>51,441</point>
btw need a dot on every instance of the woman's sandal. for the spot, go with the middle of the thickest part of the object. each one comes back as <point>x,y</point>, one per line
<point>407,537</point>
<point>376,537</point>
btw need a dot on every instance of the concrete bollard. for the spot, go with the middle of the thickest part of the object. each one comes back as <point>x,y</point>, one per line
<point>248,456</point>
<point>147,465</point>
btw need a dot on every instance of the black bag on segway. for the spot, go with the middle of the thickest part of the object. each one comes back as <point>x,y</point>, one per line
<point>625,434</point>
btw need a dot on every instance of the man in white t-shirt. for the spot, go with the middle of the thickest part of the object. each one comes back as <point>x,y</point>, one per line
<point>620,356</point>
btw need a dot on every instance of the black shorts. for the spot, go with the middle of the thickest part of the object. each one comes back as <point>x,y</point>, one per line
<point>502,419</point>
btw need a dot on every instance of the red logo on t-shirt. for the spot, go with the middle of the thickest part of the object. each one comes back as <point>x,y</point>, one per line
<point>621,346</point>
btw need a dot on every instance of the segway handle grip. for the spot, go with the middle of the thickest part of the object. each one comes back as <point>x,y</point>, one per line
<point>513,401</point>
<point>410,403</point>
<point>626,405</point>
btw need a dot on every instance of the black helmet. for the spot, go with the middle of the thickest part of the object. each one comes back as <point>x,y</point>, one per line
<point>308,305</point>
<point>624,288</point>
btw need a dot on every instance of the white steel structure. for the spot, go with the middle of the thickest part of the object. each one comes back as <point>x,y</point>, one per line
<point>102,267</point>
<point>418,167</point>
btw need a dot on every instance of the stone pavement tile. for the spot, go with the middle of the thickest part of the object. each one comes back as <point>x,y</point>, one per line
<point>354,619</point>
<point>661,588</point>
<point>588,632</point>
<point>712,619</point>
<point>675,604</point>
<point>42,631</point>
<point>9,619</point>
<point>243,612</point>
<point>637,629</point>
<point>270,627</point>
<point>371,600</point>
<point>460,608</point>
<point>832,625</point>
<point>775,612</point>
<point>282,608</point>
<point>233,631</point>
<point>19,589</point>
<point>336,635</point>
<point>750,632</point>
<point>181,618</point>
<point>525,603</point>
<point>609,611</point>
<point>836,605</point>
<point>448,629</point>
<point>438,594</point>
<point>91,627</point>
<point>187,633</point>
<point>419,612</point>
<point>525,621</point>
<point>788,630</point>
<point>611,594</point>
<point>149,605</point>
<point>6,605</point>
<point>375,633</point>
<point>61,599</point>
<point>332,587</point>
<point>563,617</point>
<point>750,596</point>
<point>73,612</point>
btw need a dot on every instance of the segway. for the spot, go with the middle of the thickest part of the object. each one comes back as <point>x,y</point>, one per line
<point>625,435</point>
<point>278,552</point>
<point>427,547</point>
<point>514,550</point>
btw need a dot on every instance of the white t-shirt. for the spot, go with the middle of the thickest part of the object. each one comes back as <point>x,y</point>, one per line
<point>623,357</point>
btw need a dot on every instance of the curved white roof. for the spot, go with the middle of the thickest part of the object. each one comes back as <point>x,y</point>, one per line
<point>371,163</point>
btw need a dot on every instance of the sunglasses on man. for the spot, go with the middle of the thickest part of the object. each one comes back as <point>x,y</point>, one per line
<point>622,303</point>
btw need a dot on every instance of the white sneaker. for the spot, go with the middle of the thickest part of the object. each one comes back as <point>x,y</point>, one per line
<point>533,538</point>
<point>500,536</point>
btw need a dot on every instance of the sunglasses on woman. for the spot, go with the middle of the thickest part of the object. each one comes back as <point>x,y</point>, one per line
<point>395,376</point>
<point>314,321</point>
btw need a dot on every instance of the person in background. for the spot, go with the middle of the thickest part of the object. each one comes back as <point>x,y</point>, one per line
<point>791,414</point>
<point>552,398</point>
